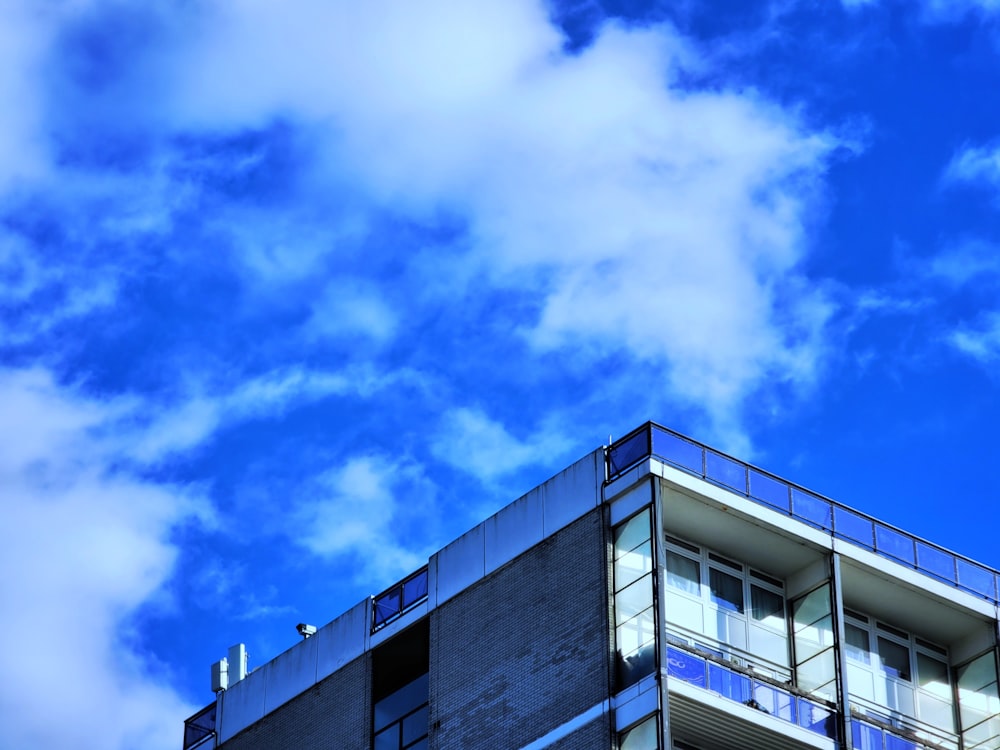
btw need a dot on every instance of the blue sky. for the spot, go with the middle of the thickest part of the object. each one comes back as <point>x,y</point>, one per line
<point>292,294</point>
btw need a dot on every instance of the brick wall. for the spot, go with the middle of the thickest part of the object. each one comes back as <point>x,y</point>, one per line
<point>526,649</point>
<point>334,714</point>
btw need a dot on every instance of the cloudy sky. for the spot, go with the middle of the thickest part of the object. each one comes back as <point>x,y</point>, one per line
<point>293,293</point>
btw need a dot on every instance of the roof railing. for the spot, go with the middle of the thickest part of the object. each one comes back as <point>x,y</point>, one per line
<point>837,519</point>
<point>399,598</point>
<point>199,728</point>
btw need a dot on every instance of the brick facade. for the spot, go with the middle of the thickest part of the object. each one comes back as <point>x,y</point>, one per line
<point>334,714</point>
<point>526,649</point>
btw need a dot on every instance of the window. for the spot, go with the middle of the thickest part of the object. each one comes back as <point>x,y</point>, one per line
<point>724,606</point>
<point>635,624</point>
<point>889,669</point>
<point>644,736</point>
<point>895,659</point>
<point>856,647</point>
<point>727,590</point>
<point>401,718</point>
<point>683,573</point>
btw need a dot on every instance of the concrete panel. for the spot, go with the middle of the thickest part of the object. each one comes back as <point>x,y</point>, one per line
<point>513,530</point>
<point>572,492</point>
<point>394,627</point>
<point>627,504</point>
<point>290,673</point>
<point>242,704</point>
<point>342,640</point>
<point>460,564</point>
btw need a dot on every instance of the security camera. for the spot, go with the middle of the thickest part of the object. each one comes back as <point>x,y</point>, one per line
<point>305,630</point>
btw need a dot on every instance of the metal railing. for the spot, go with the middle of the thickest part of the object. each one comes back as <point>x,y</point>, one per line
<point>200,727</point>
<point>721,679</point>
<point>899,727</point>
<point>652,440</point>
<point>399,598</point>
<point>866,735</point>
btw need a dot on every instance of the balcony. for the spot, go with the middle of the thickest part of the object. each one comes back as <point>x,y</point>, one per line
<point>817,511</point>
<point>717,705</point>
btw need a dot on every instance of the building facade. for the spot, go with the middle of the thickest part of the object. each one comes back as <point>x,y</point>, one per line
<point>655,595</point>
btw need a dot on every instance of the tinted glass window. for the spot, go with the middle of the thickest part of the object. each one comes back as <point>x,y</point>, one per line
<point>727,590</point>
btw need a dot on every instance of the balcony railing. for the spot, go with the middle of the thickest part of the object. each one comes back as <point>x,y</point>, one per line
<point>819,512</point>
<point>399,598</point>
<point>868,736</point>
<point>704,672</point>
<point>200,727</point>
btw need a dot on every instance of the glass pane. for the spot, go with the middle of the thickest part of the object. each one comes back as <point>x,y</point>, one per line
<point>976,578</point>
<point>932,676</point>
<point>633,666</point>
<point>727,590</point>
<point>817,674</point>
<point>633,599</point>
<point>422,745</point>
<point>400,703</point>
<point>894,544</point>
<point>685,666</point>
<point>936,711</point>
<point>812,607</point>
<point>683,573</point>
<point>775,702</point>
<point>894,659</point>
<point>852,526</point>
<point>768,490</point>
<point>633,634</point>
<point>726,471</point>
<point>387,606</point>
<point>388,739</point>
<point>728,684</point>
<point>858,646</point>
<point>633,564</point>
<point>677,450</point>
<point>978,698</point>
<point>415,589</point>
<point>936,562</point>
<point>767,607</point>
<point>811,508</point>
<point>623,455</point>
<point>415,726</point>
<point>818,719</point>
<point>642,737</point>
<point>631,533</point>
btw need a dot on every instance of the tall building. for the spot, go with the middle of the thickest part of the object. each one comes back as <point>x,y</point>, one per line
<point>655,594</point>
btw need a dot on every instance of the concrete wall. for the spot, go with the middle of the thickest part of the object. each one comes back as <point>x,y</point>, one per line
<point>334,714</point>
<point>526,649</point>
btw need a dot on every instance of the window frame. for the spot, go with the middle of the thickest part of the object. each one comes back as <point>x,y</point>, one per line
<point>877,631</point>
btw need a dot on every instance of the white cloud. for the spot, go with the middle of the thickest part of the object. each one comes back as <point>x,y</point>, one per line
<point>366,509</point>
<point>976,164</point>
<point>351,308</point>
<point>473,442</point>
<point>660,222</point>
<point>981,342</point>
<point>83,546</point>
<point>965,262</point>
<point>201,411</point>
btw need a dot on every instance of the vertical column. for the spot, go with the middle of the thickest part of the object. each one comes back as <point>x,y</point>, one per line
<point>843,699</point>
<point>661,587</point>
